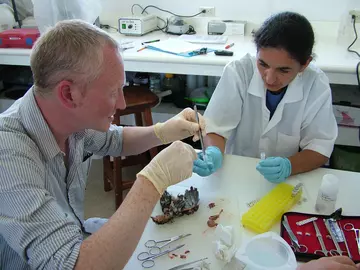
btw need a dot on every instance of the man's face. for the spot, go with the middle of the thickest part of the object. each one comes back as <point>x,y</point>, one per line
<point>105,95</point>
<point>277,68</point>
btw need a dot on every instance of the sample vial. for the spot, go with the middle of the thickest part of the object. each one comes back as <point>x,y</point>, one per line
<point>325,203</point>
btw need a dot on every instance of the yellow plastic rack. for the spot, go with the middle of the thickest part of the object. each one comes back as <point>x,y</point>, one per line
<point>266,212</point>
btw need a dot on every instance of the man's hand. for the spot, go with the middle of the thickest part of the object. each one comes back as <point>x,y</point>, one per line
<point>330,263</point>
<point>275,169</point>
<point>205,166</point>
<point>170,166</point>
<point>180,127</point>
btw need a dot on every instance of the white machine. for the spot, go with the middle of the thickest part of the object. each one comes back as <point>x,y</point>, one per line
<point>137,26</point>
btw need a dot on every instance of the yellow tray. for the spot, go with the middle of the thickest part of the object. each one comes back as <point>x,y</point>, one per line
<point>266,212</point>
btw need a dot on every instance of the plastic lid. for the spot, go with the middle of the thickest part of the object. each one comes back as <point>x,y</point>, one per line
<point>168,75</point>
<point>330,185</point>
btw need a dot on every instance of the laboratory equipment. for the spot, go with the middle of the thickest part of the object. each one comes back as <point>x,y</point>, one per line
<point>137,25</point>
<point>181,266</point>
<point>176,25</point>
<point>265,251</point>
<point>267,211</point>
<point>295,242</point>
<point>323,250</point>
<point>200,133</point>
<point>148,259</point>
<point>155,247</point>
<point>350,227</point>
<point>226,27</point>
<point>327,194</point>
<point>333,238</point>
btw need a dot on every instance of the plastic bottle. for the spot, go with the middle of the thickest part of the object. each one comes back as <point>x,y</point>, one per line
<point>155,83</point>
<point>325,203</point>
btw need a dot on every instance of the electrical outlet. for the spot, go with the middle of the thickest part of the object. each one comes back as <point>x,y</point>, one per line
<point>356,13</point>
<point>210,11</point>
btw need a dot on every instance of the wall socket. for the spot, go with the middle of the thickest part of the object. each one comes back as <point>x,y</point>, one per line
<point>356,13</point>
<point>210,11</point>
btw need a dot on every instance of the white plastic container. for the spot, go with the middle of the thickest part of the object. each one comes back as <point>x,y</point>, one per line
<point>267,251</point>
<point>326,200</point>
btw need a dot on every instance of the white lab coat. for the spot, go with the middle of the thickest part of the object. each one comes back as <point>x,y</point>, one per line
<point>304,118</point>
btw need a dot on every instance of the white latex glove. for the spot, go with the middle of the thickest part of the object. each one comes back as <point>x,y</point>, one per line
<point>180,126</point>
<point>170,166</point>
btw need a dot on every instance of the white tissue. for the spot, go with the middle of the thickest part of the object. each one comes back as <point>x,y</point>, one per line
<point>224,234</point>
<point>224,248</point>
<point>91,225</point>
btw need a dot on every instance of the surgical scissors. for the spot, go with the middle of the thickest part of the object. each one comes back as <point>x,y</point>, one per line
<point>154,246</point>
<point>323,250</point>
<point>338,250</point>
<point>294,241</point>
<point>350,227</point>
<point>148,259</point>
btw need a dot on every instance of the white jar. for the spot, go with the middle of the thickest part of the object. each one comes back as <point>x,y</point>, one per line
<point>326,200</point>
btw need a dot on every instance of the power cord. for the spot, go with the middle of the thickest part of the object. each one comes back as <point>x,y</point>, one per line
<point>353,51</point>
<point>106,26</point>
<point>164,10</point>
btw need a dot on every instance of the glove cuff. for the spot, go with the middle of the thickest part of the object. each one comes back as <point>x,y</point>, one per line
<point>157,131</point>
<point>288,167</point>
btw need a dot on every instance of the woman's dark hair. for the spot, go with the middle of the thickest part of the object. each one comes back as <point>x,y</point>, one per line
<point>289,31</point>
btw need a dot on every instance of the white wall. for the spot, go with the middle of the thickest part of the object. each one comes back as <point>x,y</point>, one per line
<point>250,10</point>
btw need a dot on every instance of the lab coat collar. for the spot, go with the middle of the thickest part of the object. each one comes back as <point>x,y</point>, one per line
<point>294,92</point>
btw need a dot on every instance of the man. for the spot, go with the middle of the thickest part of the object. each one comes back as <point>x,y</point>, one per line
<point>46,139</point>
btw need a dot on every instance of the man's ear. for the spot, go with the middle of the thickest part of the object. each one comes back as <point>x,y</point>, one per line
<point>306,64</point>
<point>69,94</point>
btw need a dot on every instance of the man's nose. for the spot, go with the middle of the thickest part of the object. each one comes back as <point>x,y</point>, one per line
<point>270,76</point>
<point>121,103</point>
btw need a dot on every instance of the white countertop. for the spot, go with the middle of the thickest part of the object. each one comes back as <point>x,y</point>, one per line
<point>331,57</point>
<point>231,188</point>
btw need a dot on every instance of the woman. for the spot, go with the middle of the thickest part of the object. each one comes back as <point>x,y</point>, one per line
<point>277,103</point>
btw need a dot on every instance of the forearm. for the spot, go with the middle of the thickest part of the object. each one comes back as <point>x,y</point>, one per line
<point>137,140</point>
<point>305,161</point>
<point>112,245</point>
<point>213,139</point>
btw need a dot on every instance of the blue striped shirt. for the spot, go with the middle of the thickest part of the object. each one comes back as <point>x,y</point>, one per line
<point>41,202</point>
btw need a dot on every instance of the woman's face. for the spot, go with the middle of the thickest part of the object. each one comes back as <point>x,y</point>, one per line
<point>277,68</point>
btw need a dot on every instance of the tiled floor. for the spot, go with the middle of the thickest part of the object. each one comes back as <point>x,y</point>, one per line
<point>99,203</point>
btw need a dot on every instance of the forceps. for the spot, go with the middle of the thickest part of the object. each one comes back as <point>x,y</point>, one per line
<point>148,259</point>
<point>350,227</point>
<point>295,242</point>
<point>154,246</point>
<point>200,133</point>
<point>323,250</point>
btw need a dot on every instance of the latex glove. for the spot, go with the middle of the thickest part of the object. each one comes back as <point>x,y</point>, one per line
<point>213,161</point>
<point>170,166</point>
<point>330,263</point>
<point>181,126</point>
<point>275,169</point>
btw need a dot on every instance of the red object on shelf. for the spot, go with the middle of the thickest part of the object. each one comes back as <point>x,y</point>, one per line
<point>19,38</point>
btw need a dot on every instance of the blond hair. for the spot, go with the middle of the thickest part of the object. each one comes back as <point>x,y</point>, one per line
<point>71,50</point>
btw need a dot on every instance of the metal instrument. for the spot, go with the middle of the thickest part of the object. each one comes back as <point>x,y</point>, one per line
<point>350,227</point>
<point>155,247</point>
<point>323,250</point>
<point>295,242</point>
<point>338,250</point>
<point>148,259</point>
<point>186,264</point>
<point>343,236</point>
<point>200,133</point>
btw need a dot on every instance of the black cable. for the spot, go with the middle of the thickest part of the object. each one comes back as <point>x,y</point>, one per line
<point>349,49</point>
<point>137,5</point>
<point>164,10</point>
<point>106,26</point>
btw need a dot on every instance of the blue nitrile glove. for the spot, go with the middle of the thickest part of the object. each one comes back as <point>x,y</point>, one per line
<point>213,161</point>
<point>275,169</point>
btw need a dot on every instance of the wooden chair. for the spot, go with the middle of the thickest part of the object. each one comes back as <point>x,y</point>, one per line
<point>139,101</point>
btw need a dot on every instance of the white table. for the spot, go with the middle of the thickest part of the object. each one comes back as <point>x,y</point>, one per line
<point>231,188</point>
<point>331,57</point>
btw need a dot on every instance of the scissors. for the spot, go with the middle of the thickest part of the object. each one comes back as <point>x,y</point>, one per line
<point>154,246</point>
<point>323,251</point>
<point>148,259</point>
<point>333,238</point>
<point>294,241</point>
<point>350,227</point>
<point>200,133</point>
<point>186,264</point>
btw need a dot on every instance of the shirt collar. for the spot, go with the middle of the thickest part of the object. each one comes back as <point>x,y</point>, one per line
<point>36,126</point>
